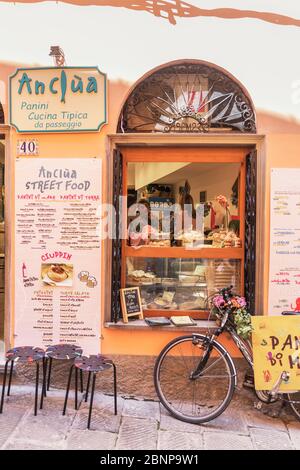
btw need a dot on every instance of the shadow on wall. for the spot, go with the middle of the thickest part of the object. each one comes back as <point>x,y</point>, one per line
<point>272,123</point>
<point>170,9</point>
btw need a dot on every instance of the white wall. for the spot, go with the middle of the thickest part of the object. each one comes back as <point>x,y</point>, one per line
<point>146,173</point>
<point>217,181</point>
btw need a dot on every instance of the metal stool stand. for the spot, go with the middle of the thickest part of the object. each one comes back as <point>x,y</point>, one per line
<point>25,355</point>
<point>62,352</point>
<point>91,364</point>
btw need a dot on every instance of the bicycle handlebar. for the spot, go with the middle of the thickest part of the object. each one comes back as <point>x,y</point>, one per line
<point>226,292</point>
<point>226,289</point>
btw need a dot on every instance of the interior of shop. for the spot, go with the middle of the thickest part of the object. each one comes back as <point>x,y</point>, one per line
<point>171,275</point>
<point>164,184</point>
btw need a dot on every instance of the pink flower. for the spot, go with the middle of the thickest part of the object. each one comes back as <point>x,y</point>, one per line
<point>218,301</point>
<point>222,200</point>
<point>242,301</point>
<point>238,302</point>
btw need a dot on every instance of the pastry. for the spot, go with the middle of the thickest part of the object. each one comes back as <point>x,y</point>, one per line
<point>57,273</point>
<point>171,306</point>
<point>152,306</point>
<point>188,279</point>
<point>161,243</point>
<point>161,302</point>
<point>141,276</point>
<point>169,281</point>
<point>191,237</point>
<point>190,305</point>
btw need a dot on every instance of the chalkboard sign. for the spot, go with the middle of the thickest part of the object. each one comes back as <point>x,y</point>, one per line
<point>131,303</point>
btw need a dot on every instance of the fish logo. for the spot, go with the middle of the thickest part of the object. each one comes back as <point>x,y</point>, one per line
<point>267,375</point>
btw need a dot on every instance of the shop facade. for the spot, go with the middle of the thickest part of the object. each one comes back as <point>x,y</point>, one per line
<point>187,129</point>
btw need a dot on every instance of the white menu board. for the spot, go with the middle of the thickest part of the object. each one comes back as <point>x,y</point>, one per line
<point>284,274</point>
<point>57,252</point>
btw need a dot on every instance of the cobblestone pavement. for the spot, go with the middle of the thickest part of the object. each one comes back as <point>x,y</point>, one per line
<point>140,425</point>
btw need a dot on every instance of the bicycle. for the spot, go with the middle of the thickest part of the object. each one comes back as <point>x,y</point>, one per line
<point>188,370</point>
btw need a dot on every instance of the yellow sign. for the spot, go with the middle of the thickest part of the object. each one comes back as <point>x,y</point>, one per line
<point>276,348</point>
<point>58,99</point>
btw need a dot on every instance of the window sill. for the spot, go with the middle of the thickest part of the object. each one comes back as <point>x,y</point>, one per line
<point>140,325</point>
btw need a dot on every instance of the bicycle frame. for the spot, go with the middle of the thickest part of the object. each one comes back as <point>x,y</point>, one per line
<point>245,348</point>
<point>226,325</point>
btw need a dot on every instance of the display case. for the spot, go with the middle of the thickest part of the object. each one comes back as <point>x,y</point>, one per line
<point>179,249</point>
<point>180,284</point>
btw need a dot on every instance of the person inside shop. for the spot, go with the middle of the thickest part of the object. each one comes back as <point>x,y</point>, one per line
<point>186,202</point>
<point>140,229</point>
<point>234,226</point>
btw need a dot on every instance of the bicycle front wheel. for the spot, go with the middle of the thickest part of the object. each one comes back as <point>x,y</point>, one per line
<point>194,400</point>
<point>294,402</point>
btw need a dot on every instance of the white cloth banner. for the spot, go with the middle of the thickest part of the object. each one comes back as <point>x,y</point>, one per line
<point>58,252</point>
<point>284,273</point>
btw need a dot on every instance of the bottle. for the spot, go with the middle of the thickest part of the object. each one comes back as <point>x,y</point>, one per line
<point>24,270</point>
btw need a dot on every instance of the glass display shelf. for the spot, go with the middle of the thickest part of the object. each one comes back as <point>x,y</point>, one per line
<point>178,284</point>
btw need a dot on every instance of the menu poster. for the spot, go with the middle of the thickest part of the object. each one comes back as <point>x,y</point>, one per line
<point>284,275</point>
<point>58,252</point>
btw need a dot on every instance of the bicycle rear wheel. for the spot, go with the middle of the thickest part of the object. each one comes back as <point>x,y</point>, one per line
<point>194,400</point>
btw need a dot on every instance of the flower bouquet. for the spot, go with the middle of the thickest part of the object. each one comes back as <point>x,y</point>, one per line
<point>222,200</point>
<point>239,315</point>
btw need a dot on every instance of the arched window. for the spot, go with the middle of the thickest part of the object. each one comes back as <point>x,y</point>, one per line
<point>188,96</point>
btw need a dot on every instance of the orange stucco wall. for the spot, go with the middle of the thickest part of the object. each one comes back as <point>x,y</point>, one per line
<point>281,151</point>
<point>147,343</point>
